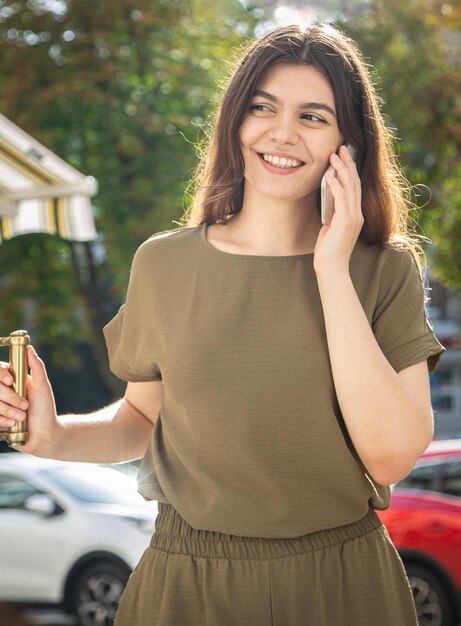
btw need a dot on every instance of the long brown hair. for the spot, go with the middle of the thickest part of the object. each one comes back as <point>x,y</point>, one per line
<point>219,176</point>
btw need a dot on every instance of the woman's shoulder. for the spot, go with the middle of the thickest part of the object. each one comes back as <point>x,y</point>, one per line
<point>385,255</point>
<point>385,264</point>
<point>163,244</point>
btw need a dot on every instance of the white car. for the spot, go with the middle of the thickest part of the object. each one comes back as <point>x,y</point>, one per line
<point>70,535</point>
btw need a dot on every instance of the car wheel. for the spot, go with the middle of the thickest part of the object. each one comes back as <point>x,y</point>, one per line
<point>96,593</point>
<point>433,606</point>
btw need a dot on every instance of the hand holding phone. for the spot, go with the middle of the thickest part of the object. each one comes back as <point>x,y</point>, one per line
<point>327,203</point>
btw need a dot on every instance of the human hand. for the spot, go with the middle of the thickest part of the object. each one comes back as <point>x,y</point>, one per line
<point>337,240</point>
<point>39,408</point>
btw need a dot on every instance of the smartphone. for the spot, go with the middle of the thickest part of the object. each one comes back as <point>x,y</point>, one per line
<point>327,203</point>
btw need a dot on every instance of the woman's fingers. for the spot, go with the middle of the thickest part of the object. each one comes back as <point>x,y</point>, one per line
<point>355,178</point>
<point>5,376</point>
<point>8,396</point>
<point>345,208</point>
<point>346,187</point>
<point>346,171</point>
<point>337,190</point>
<point>6,423</point>
<point>12,405</point>
<point>11,412</point>
<point>41,407</point>
<point>37,367</point>
<point>9,415</point>
<point>345,166</point>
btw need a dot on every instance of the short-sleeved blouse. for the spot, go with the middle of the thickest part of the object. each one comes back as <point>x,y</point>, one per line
<point>250,439</point>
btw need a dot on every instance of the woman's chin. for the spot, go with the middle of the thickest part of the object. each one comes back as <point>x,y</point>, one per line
<point>276,194</point>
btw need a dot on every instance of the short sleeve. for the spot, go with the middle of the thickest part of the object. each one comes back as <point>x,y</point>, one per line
<point>130,335</point>
<point>400,322</point>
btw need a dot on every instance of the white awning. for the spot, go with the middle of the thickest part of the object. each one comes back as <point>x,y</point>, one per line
<point>39,192</point>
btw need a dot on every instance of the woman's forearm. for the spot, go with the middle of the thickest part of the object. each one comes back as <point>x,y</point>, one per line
<point>383,419</point>
<point>113,434</point>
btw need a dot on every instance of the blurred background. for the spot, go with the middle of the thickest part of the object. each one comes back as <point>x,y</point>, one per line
<point>104,106</point>
<point>123,90</point>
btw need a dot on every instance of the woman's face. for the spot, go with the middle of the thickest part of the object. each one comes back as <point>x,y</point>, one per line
<point>288,133</point>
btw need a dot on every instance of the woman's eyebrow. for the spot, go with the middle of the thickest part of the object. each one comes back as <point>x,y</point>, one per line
<point>304,105</point>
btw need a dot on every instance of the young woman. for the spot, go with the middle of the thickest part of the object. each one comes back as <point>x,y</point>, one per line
<point>277,368</point>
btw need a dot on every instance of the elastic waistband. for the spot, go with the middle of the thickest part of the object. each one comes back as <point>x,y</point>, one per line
<point>173,534</point>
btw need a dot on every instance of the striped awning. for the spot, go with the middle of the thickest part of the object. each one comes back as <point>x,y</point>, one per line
<point>39,192</point>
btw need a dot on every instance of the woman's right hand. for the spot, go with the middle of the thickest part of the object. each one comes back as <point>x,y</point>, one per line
<point>40,407</point>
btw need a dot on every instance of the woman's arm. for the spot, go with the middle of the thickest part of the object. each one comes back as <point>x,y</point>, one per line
<point>116,433</point>
<point>388,414</point>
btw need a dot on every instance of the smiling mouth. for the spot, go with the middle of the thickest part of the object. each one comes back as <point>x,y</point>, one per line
<point>284,163</point>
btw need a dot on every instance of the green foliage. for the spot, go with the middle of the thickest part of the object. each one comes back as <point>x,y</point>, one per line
<point>415,49</point>
<point>120,90</point>
<point>38,293</point>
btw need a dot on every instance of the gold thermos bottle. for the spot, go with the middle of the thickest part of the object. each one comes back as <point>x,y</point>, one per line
<point>17,342</point>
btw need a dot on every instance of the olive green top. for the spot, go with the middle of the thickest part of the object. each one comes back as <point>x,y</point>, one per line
<point>250,439</point>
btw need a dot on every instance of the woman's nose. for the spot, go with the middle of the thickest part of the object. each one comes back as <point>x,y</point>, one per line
<point>284,130</point>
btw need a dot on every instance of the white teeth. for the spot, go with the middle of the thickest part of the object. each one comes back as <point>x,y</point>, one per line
<point>281,161</point>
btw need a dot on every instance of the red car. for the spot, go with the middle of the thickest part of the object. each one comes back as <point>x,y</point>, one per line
<point>424,523</point>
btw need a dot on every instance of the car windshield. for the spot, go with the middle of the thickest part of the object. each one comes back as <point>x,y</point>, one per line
<point>95,484</point>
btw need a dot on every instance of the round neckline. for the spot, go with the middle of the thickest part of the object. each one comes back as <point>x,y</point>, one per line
<point>204,239</point>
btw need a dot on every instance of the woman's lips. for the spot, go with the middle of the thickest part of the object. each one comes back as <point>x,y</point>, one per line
<point>281,171</point>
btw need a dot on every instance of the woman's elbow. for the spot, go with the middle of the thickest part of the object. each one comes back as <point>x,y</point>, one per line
<point>393,468</point>
<point>388,473</point>
<point>394,465</point>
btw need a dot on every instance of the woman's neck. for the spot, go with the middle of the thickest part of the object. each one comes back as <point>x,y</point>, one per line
<point>274,228</point>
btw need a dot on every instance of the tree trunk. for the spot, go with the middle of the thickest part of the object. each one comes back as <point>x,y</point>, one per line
<point>87,279</point>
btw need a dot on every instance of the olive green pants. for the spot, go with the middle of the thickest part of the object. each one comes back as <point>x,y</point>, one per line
<point>346,576</point>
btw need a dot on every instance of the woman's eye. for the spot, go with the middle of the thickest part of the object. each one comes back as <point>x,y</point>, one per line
<point>312,118</point>
<point>259,107</point>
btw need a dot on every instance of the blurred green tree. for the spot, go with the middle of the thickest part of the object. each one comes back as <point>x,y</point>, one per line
<point>415,48</point>
<point>121,90</point>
